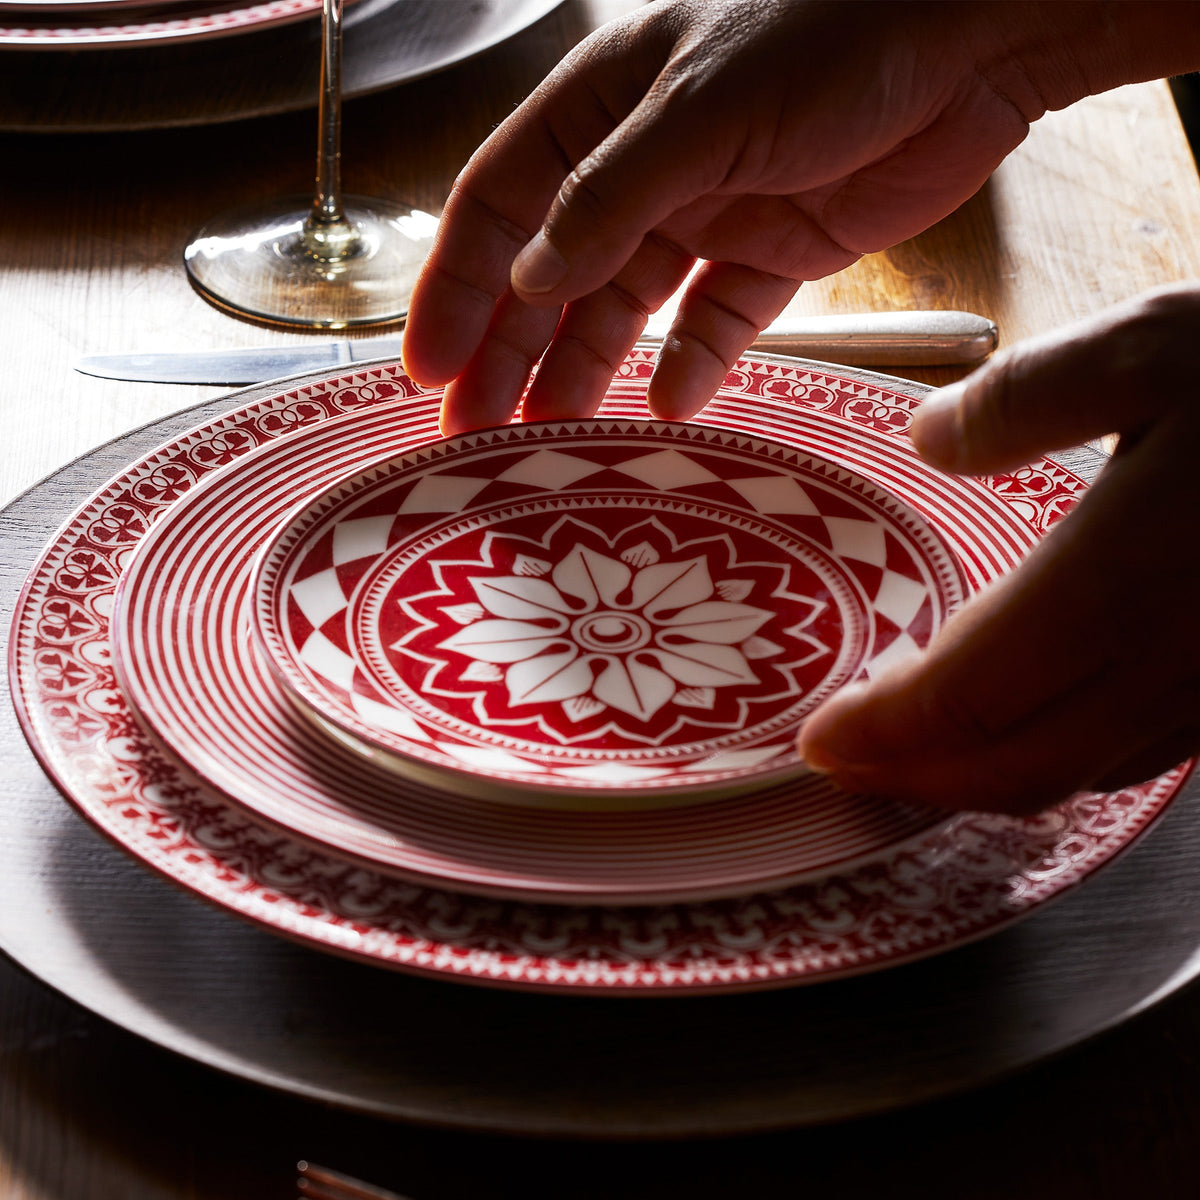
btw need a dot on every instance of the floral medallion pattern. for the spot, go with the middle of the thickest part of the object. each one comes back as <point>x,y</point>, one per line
<point>604,635</point>
<point>652,611</point>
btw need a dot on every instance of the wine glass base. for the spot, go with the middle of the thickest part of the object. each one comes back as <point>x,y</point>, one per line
<point>258,263</point>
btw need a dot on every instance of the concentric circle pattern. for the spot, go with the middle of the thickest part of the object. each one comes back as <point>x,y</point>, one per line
<point>931,890</point>
<point>184,652</point>
<point>603,612</point>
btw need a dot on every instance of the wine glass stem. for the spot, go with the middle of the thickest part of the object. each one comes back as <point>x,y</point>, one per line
<point>327,234</point>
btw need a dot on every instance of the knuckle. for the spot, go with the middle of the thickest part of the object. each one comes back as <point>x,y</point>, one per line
<point>627,302</point>
<point>701,347</point>
<point>583,193</point>
<point>724,330</point>
<point>587,350</point>
<point>512,349</point>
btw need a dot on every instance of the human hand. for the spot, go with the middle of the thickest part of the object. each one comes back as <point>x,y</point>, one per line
<point>1080,669</point>
<point>770,141</point>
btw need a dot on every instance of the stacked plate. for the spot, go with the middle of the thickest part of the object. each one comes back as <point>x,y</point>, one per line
<point>86,24</point>
<point>519,707</point>
<point>175,63</point>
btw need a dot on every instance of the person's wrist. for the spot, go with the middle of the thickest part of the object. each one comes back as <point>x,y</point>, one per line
<point>1043,55</point>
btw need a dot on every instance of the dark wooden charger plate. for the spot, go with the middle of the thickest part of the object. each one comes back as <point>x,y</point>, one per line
<point>81,916</point>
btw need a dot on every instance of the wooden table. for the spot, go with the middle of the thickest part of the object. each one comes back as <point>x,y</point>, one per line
<point>1101,202</point>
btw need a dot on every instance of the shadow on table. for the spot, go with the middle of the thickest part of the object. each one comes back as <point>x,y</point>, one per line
<point>168,966</point>
<point>152,1120</point>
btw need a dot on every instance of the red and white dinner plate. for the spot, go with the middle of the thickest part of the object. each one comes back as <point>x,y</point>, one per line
<point>910,888</point>
<point>34,27</point>
<point>187,662</point>
<point>37,9</point>
<point>599,614</point>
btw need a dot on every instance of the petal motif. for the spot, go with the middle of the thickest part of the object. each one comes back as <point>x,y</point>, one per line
<point>735,589</point>
<point>758,647</point>
<point>579,708</point>
<point>519,597</point>
<point>591,577</point>
<point>705,664</point>
<point>716,621</point>
<point>501,641</point>
<point>558,676</point>
<point>633,687</point>
<point>662,587</point>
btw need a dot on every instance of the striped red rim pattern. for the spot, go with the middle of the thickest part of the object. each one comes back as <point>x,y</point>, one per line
<point>334,585</point>
<point>956,883</point>
<point>185,659</point>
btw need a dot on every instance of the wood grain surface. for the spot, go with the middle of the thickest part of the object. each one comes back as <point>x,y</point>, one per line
<point>1101,202</point>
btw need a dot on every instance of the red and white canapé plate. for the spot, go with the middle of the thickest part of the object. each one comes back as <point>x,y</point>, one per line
<point>595,614</point>
<point>930,891</point>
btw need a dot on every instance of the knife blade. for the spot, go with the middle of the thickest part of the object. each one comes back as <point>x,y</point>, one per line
<point>921,337</point>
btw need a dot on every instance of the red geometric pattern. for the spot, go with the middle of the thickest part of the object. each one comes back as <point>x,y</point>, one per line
<point>960,881</point>
<point>451,606</point>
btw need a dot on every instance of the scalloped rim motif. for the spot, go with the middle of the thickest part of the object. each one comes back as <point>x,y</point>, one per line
<point>954,883</point>
<point>624,610</point>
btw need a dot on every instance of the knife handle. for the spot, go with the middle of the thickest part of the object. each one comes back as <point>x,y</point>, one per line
<point>917,338</point>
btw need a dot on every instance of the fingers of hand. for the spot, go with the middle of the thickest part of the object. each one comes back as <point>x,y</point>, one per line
<point>676,139</point>
<point>651,160</point>
<point>460,285</point>
<point>586,346</point>
<point>488,389</point>
<point>1070,672</point>
<point>501,197</point>
<point>924,741</point>
<point>604,209</point>
<point>1114,373</point>
<point>1086,742</point>
<point>721,313</point>
<point>599,330</point>
<point>945,725</point>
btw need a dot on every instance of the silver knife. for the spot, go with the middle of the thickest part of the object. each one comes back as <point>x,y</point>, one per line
<point>920,338</point>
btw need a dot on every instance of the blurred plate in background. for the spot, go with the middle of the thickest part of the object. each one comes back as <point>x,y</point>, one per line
<point>155,83</point>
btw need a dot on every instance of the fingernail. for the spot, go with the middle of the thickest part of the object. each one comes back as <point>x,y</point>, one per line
<point>937,427</point>
<point>818,762</point>
<point>830,740</point>
<point>539,267</point>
